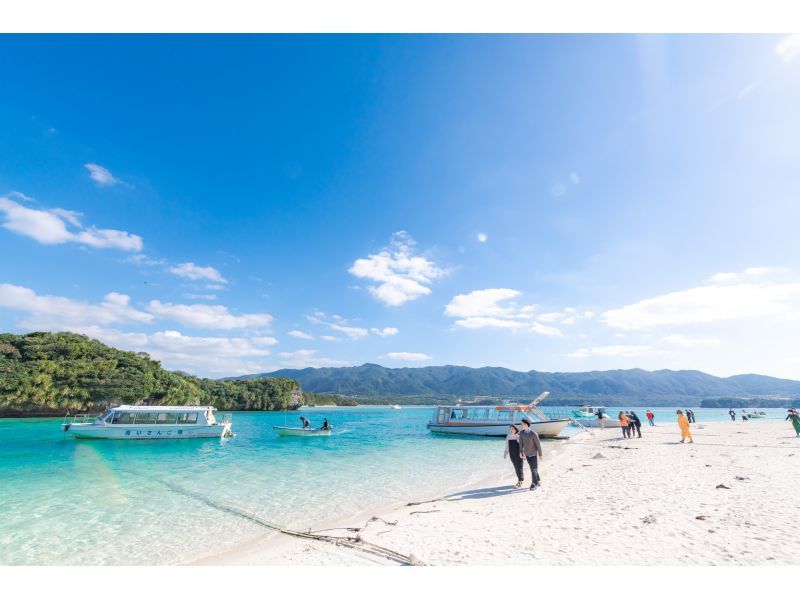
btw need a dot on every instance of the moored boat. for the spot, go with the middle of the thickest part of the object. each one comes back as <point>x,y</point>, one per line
<point>289,431</point>
<point>493,420</point>
<point>587,416</point>
<point>128,422</point>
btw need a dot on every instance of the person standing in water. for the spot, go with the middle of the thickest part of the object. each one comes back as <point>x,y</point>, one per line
<point>650,417</point>
<point>600,417</point>
<point>530,449</point>
<point>732,413</point>
<point>683,424</point>
<point>512,450</point>
<point>795,418</point>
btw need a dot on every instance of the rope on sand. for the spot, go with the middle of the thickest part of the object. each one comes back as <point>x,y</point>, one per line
<point>355,542</point>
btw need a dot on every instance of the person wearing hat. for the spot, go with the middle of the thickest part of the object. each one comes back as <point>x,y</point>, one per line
<point>795,419</point>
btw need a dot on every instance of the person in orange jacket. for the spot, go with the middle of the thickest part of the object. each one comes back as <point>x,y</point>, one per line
<point>683,424</point>
<point>623,422</point>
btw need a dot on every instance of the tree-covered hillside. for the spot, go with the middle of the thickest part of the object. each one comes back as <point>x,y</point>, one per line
<point>46,373</point>
<point>614,387</point>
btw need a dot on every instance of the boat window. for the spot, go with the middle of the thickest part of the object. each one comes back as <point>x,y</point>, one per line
<point>146,417</point>
<point>187,418</point>
<point>123,417</point>
<point>480,414</point>
<point>167,418</point>
<point>442,415</point>
<point>504,415</point>
<point>106,415</point>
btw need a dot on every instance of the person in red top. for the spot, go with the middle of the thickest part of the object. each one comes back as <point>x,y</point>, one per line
<point>650,417</point>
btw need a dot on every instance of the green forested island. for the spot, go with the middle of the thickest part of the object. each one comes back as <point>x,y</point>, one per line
<point>371,383</point>
<point>46,373</point>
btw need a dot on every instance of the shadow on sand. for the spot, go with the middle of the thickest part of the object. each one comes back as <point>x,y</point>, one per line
<point>479,493</point>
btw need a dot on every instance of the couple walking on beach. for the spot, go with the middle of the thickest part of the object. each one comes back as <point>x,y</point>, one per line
<point>524,445</point>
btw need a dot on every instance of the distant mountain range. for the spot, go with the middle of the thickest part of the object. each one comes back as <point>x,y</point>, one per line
<point>370,383</point>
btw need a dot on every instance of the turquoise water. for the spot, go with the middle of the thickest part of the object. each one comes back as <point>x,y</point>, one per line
<point>67,501</point>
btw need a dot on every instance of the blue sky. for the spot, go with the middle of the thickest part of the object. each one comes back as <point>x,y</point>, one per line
<point>241,204</point>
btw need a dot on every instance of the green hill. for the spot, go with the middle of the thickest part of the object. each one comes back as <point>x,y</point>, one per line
<point>46,373</point>
<point>615,387</point>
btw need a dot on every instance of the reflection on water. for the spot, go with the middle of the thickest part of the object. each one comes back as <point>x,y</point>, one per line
<point>66,501</point>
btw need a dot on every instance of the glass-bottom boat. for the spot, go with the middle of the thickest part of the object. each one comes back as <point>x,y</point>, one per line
<point>128,422</point>
<point>587,416</point>
<point>493,420</point>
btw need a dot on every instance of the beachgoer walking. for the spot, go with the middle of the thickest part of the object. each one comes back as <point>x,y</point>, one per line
<point>732,413</point>
<point>683,424</point>
<point>530,449</point>
<point>637,424</point>
<point>650,417</point>
<point>623,422</point>
<point>692,420</point>
<point>795,418</point>
<point>512,450</point>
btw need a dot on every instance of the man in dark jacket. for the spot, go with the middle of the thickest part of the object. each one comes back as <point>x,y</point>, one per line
<point>530,449</point>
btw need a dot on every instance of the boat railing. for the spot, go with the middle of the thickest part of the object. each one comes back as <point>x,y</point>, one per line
<point>80,418</point>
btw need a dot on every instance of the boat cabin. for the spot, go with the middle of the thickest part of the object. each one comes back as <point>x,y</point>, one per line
<point>498,415</point>
<point>183,415</point>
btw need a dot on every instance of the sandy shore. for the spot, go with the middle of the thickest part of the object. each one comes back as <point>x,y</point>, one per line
<point>603,501</point>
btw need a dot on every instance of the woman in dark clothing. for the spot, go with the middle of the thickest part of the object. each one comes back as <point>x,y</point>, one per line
<point>631,424</point>
<point>637,423</point>
<point>512,450</point>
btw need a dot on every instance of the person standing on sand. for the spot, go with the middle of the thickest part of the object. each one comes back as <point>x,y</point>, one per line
<point>623,422</point>
<point>600,417</point>
<point>530,449</point>
<point>631,424</point>
<point>683,424</point>
<point>732,413</point>
<point>650,417</point>
<point>513,451</point>
<point>795,417</point>
<point>637,424</point>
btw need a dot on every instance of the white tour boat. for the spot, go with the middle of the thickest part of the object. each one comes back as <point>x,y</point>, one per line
<point>754,414</point>
<point>493,420</point>
<point>128,422</point>
<point>586,416</point>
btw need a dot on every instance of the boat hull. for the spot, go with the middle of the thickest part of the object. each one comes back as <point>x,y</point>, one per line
<point>546,429</point>
<point>284,431</point>
<point>145,432</point>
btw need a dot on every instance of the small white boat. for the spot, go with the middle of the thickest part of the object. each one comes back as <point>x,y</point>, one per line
<point>288,431</point>
<point>754,414</point>
<point>587,417</point>
<point>128,422</point>
<point>493,420</point>
<point>395,406</point>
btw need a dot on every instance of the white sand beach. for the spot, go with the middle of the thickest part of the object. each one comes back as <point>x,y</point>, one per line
<point>730,498</point>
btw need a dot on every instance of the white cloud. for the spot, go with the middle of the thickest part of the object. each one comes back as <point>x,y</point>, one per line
<point>492,308</point>
<point>727,298</point>
<point>406,356</point>
<point>207,316</point>
<point>330,339</point>
<point>307,358</point>
<point>100,175</point>
<point>301,334</point>
<point>789,47</point>
<point>141,259</point>
<point>193,354</point>
<point>338,324</point>
<point>613,351</point>
<point>201,296</point>
<point>55,226</point>
<point>192,271</point>
<point>483,237</point>
<point>682,340</point>
<point>388,331</point>
<point>51,311</point>
<point>402,275</point>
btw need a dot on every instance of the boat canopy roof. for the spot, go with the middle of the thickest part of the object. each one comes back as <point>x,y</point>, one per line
<point>163,408</point>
